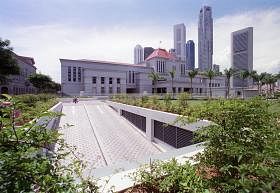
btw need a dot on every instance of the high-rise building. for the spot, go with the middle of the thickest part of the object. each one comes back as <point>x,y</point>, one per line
<point>216,68</point>
<point>138,54</point>
<point>179,31</point>
<point>241,54</point>
<point>148,51</point>
<point>190,55</point>
<point>205,38</point>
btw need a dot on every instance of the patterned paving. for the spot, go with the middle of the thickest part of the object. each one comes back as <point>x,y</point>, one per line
<point>101,135</point>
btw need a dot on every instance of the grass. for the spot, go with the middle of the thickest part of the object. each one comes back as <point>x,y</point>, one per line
<point>275,106</point>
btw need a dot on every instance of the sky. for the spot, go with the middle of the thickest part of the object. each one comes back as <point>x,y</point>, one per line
<point>109,29</point>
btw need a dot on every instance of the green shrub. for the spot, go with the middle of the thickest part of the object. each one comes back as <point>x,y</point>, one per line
<point>167,98</point>
<point>242,147</point>
<point>169,176</point>
<point>183,99</point>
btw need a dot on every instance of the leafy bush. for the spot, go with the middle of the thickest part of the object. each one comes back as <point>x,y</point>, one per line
<point>169,176</point>
<point>242,148</point>
<point>183,99</point>
<point>29,162</point>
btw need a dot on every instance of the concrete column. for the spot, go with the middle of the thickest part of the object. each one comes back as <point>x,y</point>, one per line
<point>150,129</point>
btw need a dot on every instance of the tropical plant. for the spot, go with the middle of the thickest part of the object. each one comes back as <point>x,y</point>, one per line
<point>192,74</point>
<point>228,73</point>
<point>8,65</point>
<point>258,78</point>
<point>244,74</point>
<point>155,78</point>
<point>210,74</point>
<point>172,75</point>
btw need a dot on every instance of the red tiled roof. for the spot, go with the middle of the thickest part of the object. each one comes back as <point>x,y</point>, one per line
<point>160,53</point>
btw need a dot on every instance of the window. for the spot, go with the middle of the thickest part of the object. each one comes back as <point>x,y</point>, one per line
<point>79,74</point>
<point>118,89</point>
<point>110,80</point>
<point>133,76</point>
<point>129,77</point>
<point>74,74</point>
<point>110,90</point>
<point>118,80</point>
<point>69,73</point>
<point>94,80</point>
<point>102,80</point>
<point>102,90</point>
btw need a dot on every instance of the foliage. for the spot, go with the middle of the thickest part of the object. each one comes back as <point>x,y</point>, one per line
<point>44,83</point>
<point>242,148</point>
<point>28,160</point>
<point>154,76</point>
<point>228,73</point>
<point>169,176</point>
<point>192,74</point>
<point>210,74</point>
<point>8,65</point>
<point>167,100</point>
<point>183,99</point>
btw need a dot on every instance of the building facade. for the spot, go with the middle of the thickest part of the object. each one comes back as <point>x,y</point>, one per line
<point>138,54</point>
<point>18,84</point>
<point>190,55</point>
<point>179,32</point>
<point>205,39</point>
<point>148,51</point>
<point>216,68</point>
<point>241,54</point>
<point>95,78</point>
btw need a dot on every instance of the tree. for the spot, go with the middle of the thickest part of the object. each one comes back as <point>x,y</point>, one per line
<point>44,83</point>
<point>210,74</point>
<point>192,74</point>
<point>257,78</point>
<point>244,74</point>
<point>229,73</point>
<point>154,77</point>
<point>172,75</point>
<point>8,65</point>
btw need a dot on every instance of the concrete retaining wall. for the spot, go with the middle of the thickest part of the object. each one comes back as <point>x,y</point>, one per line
<point>152,115</point>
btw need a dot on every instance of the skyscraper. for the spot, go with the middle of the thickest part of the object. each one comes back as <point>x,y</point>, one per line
<point>190,55</point>
<point>138,54</point>
<point>179,31</point>
<point>205,38</point>
<point>148,51</point>
<point>241,54</point>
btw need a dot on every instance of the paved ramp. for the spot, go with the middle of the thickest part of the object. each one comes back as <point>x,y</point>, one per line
<point>102,136</point>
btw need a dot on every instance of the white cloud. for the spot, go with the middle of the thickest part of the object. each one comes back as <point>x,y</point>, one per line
<point>48,43</point>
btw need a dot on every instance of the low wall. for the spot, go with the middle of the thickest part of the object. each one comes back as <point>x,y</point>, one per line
<point>174,129</point>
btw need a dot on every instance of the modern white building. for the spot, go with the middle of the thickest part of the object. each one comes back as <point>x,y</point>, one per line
<point>241,54</point>
<point>138,54</point>
<point>94,78</point>
<point>179,31</point>
<point>205,39</point>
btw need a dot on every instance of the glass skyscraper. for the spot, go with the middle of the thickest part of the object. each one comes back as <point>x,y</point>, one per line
<point>190,55</point>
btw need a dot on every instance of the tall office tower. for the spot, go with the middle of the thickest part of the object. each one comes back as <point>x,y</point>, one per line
<point>242,54</point>
<point>138,54</point>
<point>205,39</point>
<point>190,55</point>
<point>148,51</point>
<point>179,31</point>
<point>216,68</point>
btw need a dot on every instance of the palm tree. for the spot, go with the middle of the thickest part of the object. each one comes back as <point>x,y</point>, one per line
<point>172,75</point>
<point>244,75</point>
<point>257,78</point>
<point>192,74</point>
<point>154,77</point>
<point>210,74</point>
<point>229,73</point>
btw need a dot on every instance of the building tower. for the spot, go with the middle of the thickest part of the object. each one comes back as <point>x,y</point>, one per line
<point>241,54</point>
<point>138,54</point>
<point>190,55</point>
<point>148,51</point>
<point>179,31</point>
<point>205,39</point>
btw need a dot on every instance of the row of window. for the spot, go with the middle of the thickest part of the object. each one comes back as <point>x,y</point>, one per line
<point>161,66</point>
<point>73,72</point>
<point>103,90</point>
<point>215,85</point>
<point>22,90</point>
<point>131,77</point>
<point>102,80</point>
